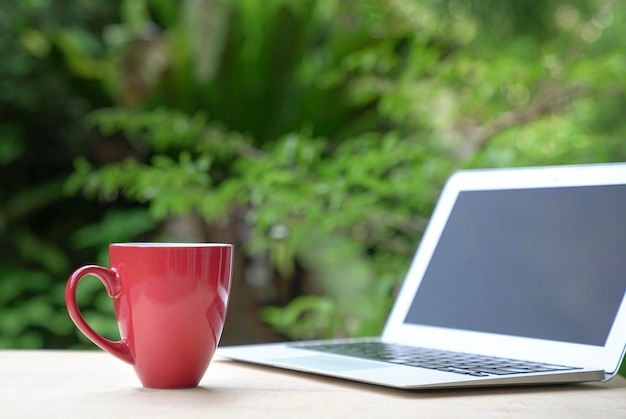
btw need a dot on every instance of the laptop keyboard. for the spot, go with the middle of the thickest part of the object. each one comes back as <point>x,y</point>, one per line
<point>456,362</point>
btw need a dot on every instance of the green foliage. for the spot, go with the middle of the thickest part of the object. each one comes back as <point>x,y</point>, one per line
<point>40,131</point>
<point>331,126</point>
<point>321,130</point>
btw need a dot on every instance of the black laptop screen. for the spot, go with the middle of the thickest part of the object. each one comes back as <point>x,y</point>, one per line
<point>540,263</point>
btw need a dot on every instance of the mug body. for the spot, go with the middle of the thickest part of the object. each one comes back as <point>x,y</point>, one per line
<point>170,307</point>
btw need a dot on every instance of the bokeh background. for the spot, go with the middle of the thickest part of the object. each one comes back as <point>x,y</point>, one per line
<point>314,135</point>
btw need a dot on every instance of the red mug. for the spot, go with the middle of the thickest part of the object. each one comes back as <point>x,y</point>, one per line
<point>170,302</point>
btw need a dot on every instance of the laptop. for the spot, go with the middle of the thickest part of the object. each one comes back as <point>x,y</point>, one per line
<point>519,279</point>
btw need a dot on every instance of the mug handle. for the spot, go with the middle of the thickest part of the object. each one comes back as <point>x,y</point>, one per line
<point>111,281</point>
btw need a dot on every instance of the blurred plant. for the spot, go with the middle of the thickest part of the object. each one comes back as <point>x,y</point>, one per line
<point>324,130</point>
<point>247,138</point>
<point>41,130</point>
<point>315,135</point>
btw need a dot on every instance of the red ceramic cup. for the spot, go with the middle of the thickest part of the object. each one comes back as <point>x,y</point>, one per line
<point>170,302</point>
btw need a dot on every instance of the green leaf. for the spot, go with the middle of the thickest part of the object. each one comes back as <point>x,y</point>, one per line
<point>116,226</point>
<point>47,255</point>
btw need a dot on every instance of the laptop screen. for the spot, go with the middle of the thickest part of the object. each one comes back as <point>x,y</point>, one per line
<point>547,263</point>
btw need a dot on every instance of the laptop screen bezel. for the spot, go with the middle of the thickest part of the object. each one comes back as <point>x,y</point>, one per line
<point>607,357</point>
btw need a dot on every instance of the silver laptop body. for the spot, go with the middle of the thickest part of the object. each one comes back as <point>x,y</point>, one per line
<point>522,269</point>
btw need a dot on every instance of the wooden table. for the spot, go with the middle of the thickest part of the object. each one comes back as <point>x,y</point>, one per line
<point>92,384</point>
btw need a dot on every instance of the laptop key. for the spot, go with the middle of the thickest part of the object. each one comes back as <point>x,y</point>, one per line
<point>462,371</point>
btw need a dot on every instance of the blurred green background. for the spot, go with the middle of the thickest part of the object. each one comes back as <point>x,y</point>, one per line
<point>314,135</point>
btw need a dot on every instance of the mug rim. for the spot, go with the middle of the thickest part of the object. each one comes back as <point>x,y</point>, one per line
<point>169,244</point>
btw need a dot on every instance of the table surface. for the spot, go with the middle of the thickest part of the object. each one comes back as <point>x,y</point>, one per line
<point>94,384</point>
